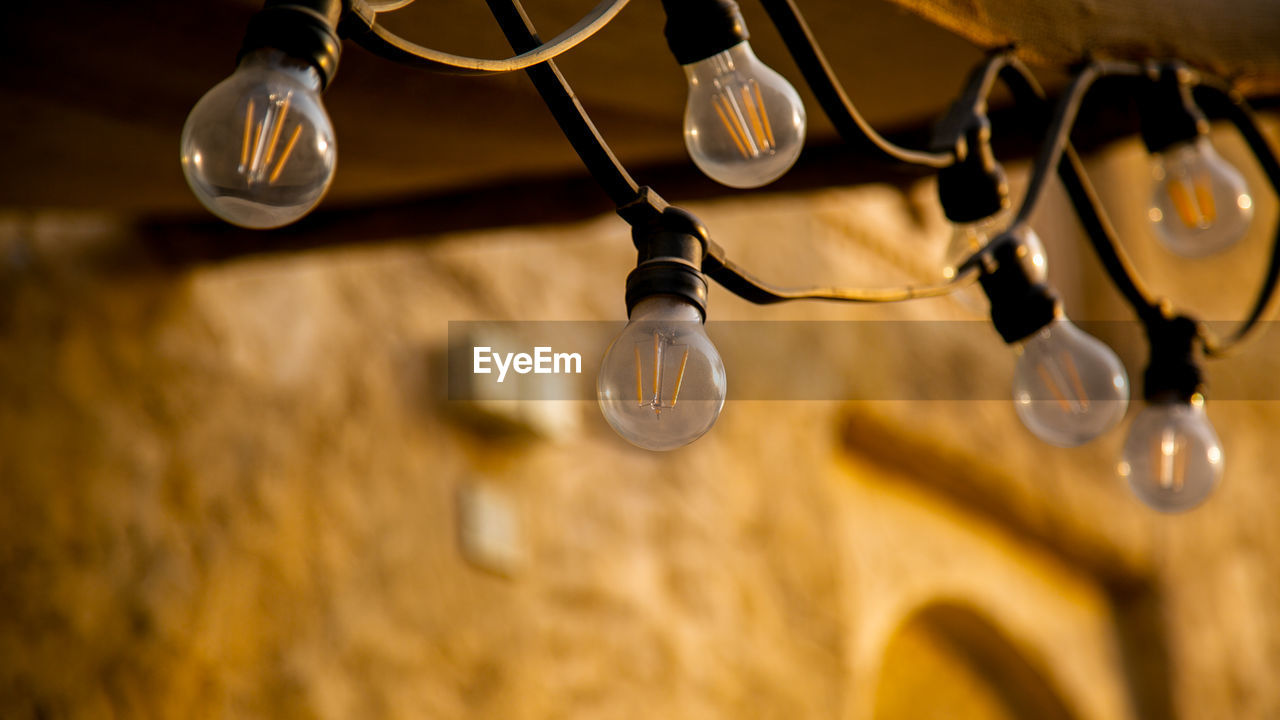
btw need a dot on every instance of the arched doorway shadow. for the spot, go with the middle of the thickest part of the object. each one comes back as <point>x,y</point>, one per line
<point>949,661</point>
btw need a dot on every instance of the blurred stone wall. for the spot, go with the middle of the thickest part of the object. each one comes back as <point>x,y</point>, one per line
<point>239,491</point>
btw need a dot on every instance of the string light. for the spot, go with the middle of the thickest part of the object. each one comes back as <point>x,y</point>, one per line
<point>1068,387</point>
<point>1172,458</point>
<point>259,151</point>
<point>662,383</point>
<point>744,124</point>
<point>1200,204</point>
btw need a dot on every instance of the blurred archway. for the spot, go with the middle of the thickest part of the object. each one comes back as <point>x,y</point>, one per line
<point>948,661</point>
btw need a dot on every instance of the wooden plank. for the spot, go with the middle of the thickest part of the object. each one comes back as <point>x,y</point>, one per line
<point>1239,39</point>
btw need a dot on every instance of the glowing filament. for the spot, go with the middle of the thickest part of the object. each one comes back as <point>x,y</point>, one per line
<point>1194,204</point>
<point>1204,198</point>
<point>261,142</point>
<point>1063,381</point>
<point>764,116</point>
<point>732,124</point>
<point>275,133</point>
<point>284,157</point>
<point>744,118</point>
<point>758,129</point>
<point>639,380</point>
<point>655,399</point>
<point>1172,460</point>
<point>248,126</point>
<point>657,373</point>
<point>680,377</point>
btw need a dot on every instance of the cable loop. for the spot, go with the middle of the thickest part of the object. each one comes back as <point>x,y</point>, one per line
<point>364,29</point>
<point>386,6</point>
<point>626,193</point>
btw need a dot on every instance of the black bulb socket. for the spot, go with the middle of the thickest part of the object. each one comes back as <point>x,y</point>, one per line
<point>1169,114</point>
<point>698,29</point>
<point>669,251</point>
<point>1172,373</point>
<point>302,29</point>
<point>1020,307</point>
<point>975,187</point>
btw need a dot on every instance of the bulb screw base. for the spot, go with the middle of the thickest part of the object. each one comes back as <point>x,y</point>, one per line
<point>1169,113</point>
<point>669,250</point>
<point>302,29</point>
<point>1172,373</point>
<point>698,29</point>
<point>1019,307</point>
<point>667,277</point>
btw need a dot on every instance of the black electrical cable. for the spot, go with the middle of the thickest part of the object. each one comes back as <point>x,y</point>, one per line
<point>821,79</point>
<point>1102,236</point>
<point>1055,140</point>
<point>744,285</point>
<point>635,202</point>
<point>971,105</point>
<point>627,195</point>
<point>363,27</point>
<point>569,114</point>
<point>1219,101</point>
<point>983,78</point>
<point>1098,228</point>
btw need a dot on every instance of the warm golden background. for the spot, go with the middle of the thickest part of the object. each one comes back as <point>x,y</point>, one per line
<point>232,487</point>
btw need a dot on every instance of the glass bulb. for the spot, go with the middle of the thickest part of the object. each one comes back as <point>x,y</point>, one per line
<point>744,124</point>
<point>969,238</point>
<point>258,149</point>
<point>1172,458</point>
<point>1200,204</point>
<point>662,383</point>
<point>1068,387</point>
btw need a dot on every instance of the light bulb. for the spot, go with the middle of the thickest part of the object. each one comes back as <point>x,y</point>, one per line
<point>1068,387</point>
<point>1200,204</point>
<point>258,149</point>
<point>661,382</point>
<point>744,124</point>
<point>1172,458</point>
<point>969,238</point>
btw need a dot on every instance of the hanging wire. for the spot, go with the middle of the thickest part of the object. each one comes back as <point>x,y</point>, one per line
<point>746,286</point>
<point>835,102</point>
<point>627,195</point>
<point>386,6</point>
<point>1054,150</point>
<point>1055,141</point>
<point>1213,97</point>
<point>636,203</point>
<point>1084,199</point>
<point>604,166</point>
<point>361,25</point>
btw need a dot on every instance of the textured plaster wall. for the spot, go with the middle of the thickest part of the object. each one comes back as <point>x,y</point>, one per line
<point>236,491</point>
